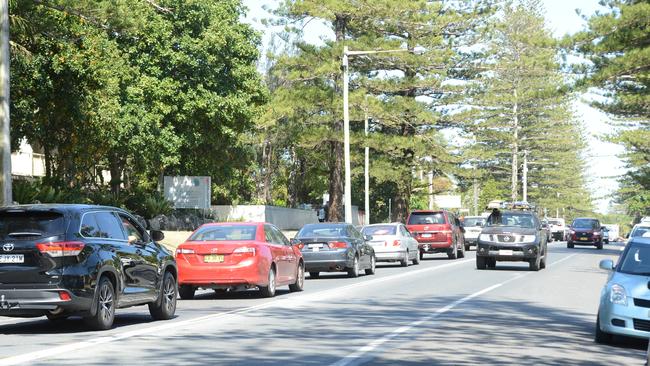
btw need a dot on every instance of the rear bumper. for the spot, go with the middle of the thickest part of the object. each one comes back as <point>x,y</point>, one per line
<point>38,302</point>
<point>434,247</point>
<point>328,261</point>
<point>247,272</point>
<point>582,242</point>
<point>390,256</point>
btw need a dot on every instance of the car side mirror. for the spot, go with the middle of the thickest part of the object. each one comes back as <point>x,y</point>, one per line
<point>606,264</point>
<point>367,237</point>
<point>157,235</point>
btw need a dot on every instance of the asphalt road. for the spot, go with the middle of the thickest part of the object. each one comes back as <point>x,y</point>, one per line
<point>440,312</point>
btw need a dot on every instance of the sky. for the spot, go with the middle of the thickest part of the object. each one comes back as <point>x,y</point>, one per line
<point>603,165</point>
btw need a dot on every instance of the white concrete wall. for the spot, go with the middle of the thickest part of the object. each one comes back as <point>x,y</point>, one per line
<point>282,217</point>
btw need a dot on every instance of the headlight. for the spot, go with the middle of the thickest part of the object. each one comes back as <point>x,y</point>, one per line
<point>596,232</point>
<point>485,237</point>
<point>528,238</point>
<point>572,232</point>
<point>617,295</point>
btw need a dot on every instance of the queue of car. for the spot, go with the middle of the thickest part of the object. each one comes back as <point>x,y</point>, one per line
<point>60,260</point>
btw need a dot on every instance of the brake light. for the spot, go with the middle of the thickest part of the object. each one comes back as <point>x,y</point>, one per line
<point>397,243</point>
<point>338,244</point>
<point>184,251</point>
<point>61,248</point>
<point>301,245</point>
<point>244,251</point>
<point>64,296</point>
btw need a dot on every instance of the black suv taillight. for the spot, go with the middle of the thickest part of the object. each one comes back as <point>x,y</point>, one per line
<point>61,248</point>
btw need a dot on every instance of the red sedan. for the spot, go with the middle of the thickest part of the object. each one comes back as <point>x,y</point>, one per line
<point>238,256</point>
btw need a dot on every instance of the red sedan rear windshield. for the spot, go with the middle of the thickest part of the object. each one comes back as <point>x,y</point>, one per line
<point>225,232</point>
<point>424,218</point>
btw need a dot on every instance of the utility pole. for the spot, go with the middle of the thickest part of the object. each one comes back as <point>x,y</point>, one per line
<point>5,149</point>
<point>366,165</point>
<point>515,147</point>
<point>346,123</point>
<point>524,180</point>
<point>475,197</point>
<point>430,174</point>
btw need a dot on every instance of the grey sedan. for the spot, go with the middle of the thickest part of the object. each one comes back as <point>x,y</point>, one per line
<point>625,300</point>
<point>335,247</point>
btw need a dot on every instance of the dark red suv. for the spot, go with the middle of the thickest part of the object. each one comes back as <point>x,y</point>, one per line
<point>437,232</point>
<point>585,231</point>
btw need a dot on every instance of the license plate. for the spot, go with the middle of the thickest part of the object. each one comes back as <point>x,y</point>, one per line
<point>12,258</point>
<point>377,243</point>
<point>426,235</point>
<point>315,247</point>
<point>505,252</point>
<point>584,239</point>
<point>213,258</point>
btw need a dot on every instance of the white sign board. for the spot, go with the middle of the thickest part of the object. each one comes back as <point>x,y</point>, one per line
<point>447,201</point>
<point>188,191</point>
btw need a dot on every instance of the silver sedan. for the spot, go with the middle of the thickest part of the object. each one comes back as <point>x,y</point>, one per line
<point>393,243</point>
<point>625,301</point>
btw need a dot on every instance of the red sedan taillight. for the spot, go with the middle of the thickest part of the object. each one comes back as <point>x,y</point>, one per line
<point>61,248</point>
<point>244,251</point>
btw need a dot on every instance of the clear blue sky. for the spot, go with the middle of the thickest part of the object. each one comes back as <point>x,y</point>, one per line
<point>603,165</point>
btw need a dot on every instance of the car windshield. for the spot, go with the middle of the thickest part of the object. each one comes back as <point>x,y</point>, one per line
<point>474,221</point>
<point>25,224</point>
<point>322,231</point>
<point>585,224</point>
<point>380,230</point>
<point>225,233</point>
<point>636,260</point>
<point>423,218</point>
<point>514,219</point>
<point>641,231</point>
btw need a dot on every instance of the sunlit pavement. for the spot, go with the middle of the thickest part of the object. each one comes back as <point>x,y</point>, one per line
<point>440,312</point>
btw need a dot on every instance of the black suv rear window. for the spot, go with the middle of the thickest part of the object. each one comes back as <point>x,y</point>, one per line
<point>29,224</point>
<point>424,218</point>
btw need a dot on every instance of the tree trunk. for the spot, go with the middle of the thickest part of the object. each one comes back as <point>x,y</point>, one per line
<point>116,175</point>
<point>515,147</point>
<point>401,204</point>
<point>268,172</point>
<point>335,209</point>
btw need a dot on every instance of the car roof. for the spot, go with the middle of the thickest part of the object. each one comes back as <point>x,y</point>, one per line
<point>531,213</point>
<point>57,207</point>
<point>385,224</point>
<point>475,217</point>
<point>586,218</point>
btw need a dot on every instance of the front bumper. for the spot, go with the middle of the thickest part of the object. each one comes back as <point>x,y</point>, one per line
<point>508,252</point>
<point>635,319</point>
<point>38,302</point>
<point>328,261</point>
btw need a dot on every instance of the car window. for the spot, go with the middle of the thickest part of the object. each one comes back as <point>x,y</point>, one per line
<point>322,231</point>
<point>585,224</point>
<point>405,233</point>
<point>224,232</point>
<point>90,228</point>
<point>637,260</point>
<point>514,219</point>
<point>474,221</point>
<point>279,236</point>
<point>133,234</point>
<point>16,224</point>
<point>424,218</point>
<point>379,230</point>
<point>110,226</point>
<point>641,231</point>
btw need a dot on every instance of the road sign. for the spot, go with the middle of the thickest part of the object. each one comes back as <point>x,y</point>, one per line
<point>447,201</point>
<point>188,191</point>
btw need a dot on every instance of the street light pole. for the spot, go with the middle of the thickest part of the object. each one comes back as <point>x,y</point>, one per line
<point>5,141</point>
<point>366,172</point>
<point>346,128</point>
<point>524,180</point>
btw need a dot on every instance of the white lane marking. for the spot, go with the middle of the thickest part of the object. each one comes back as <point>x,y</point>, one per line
<point>357,356</point>
<point>68,348</point>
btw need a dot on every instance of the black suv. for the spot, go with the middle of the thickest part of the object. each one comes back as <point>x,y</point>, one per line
<point>62,260</point>
<point>514,236</point>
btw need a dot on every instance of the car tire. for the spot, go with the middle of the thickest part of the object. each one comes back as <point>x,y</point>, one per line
<point>467,248</point>
<point>269,291</point>
<point>416,260</point>
<point>354,270</point>
<point>186,292</point>
<point>299,285</point>
<point>314,274</point>
<point>491,263</point>
<point>373,266</point>
<point>599,245</point>
<point>601,337</point>
<point>421,255</point>
<point>461,252</point>
<point>104,306</point>
<point>480,262</point>
<point>165,307</point>
<point>569,245</point>
<point>452,253</point>
<point>534,264</point>
<point>404,262</point>
<point>542,263</point>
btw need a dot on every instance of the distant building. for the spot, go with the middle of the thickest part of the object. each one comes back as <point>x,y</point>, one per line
<point>28,161</point>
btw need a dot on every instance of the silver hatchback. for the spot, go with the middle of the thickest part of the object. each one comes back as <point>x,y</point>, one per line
<point>625,299</point>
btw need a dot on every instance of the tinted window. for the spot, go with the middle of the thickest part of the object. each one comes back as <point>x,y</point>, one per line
<point>585,224</point>
<point>18,224</point>
<point>90,228</point>
<point>474,221</point>
<point>110,226</point>
<point>637,260</point>
<point>515,219</point>
<point>133,234</point>
<point>279,236</point>
<point>380,230</point>
<point>641,231</point>
<point>424,218</point>
<point>225,232</point>
<point>323,231</point>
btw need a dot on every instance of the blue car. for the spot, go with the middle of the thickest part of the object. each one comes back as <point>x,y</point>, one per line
<point>625,300</point>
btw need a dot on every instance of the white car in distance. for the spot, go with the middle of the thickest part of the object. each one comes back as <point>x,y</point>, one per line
<point>393,243</point>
